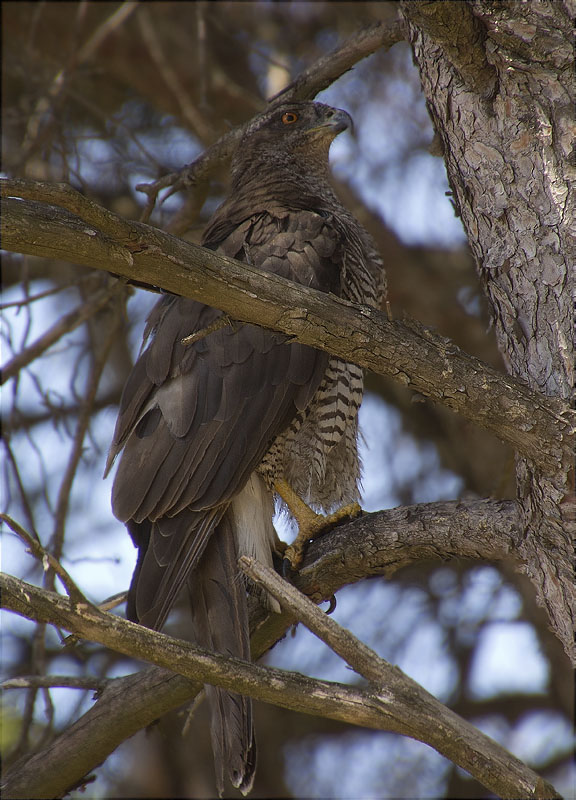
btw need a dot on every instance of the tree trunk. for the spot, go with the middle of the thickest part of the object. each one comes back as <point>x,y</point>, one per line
<point>500,90</point>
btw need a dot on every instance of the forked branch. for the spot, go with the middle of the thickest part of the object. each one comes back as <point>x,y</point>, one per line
<point>398,704</point>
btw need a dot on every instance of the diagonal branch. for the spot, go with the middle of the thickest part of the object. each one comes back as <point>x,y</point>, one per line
<point>538,427</point>
<point>368,664</point>
<point>327,69</point>
<point>401,706</point>
<point>46,559</point>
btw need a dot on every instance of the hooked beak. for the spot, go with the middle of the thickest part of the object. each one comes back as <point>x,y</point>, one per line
<point>340,121</point>
<point>336,121</point>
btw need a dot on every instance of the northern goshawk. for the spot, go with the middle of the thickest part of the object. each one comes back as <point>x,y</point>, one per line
<point>211,432</point>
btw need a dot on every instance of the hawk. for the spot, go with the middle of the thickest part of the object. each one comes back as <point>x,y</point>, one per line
<point>212,432</point>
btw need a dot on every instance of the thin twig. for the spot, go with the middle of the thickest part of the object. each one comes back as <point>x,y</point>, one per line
<point>84,418</point>
<point>65,325</point>
<point>47,102</point>
<point>108,26</point>
<point>124,131</point>
<point>24,499</point>
<point>47,560</point>
<point>170,77</point>
<point>113,602</point>
<point>57,414</point>
<point>221,322</point>
<point>55,682</point>
<point>32,298</point>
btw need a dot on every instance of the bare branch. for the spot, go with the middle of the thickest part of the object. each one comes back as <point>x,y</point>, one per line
<point>402,706</point>
<point>170,76</point>
<point>56,413</point>
<point>383,542</point>
<point>377,544</point>
<point>84,417</point>
<point>113,602</point>
<point>539,427</point>
<point>33,298</point>
<point>84,53</point>
<point>109,26</point>
<point>324,72</point>
<point>357,655</point>
<point>64,196</point>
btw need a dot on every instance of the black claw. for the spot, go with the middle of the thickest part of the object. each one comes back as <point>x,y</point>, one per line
<point>286,568</point>
<point>278,561</point>
<point>332,607</point>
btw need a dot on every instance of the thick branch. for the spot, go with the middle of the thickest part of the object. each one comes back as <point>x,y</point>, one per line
<point>401,705</point>
<point>383,542</point>
<point>537,426</point>
<point>375,544</point>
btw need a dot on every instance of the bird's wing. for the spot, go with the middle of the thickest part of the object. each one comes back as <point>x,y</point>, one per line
<point>195,420</point>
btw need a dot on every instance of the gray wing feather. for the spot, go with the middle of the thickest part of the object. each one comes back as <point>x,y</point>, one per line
<point>196,420</point>
<point>169,549</point>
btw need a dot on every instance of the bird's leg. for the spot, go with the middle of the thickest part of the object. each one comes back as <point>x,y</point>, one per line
<point>310,524</point>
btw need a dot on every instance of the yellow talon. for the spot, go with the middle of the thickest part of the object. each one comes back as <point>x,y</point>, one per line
<point>310,524</point>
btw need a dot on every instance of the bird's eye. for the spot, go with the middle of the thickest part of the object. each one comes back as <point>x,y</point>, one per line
<point>289,117</point>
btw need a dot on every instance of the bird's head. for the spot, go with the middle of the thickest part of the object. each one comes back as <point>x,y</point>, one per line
<point>301,131</point>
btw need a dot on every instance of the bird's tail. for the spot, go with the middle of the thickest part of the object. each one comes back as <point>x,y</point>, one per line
<point>220,623</point>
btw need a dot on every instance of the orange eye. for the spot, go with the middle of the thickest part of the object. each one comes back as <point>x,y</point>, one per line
<point>289,117</point>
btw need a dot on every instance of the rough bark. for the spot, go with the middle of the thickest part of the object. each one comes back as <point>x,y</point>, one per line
<point>507,151</point>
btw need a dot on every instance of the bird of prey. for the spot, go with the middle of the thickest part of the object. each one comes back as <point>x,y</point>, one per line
<point>212,432</point>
